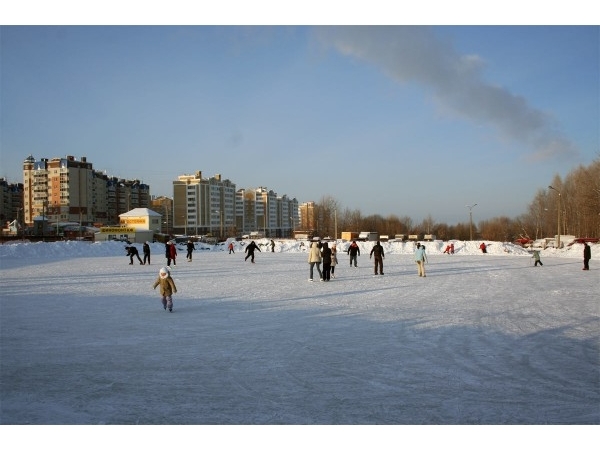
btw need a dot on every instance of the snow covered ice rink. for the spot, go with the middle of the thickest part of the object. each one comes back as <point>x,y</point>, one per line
<point>483,339</point>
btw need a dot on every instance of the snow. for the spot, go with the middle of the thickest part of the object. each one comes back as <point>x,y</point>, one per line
<point>483,339</point>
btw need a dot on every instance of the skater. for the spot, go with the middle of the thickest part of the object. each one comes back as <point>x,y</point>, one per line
<point>334,260</point>
<point>353,251</point>
<point>483,247</point>
<point>420,259</point>
<point>231,248</point>
<point>170,253</point>
<point>131,252</point>
<point>146,251</point>
<point>326,259</point>
<point>314,259</point>
<point>272,246</point>
<point>167,288</point>
<point>250,250</point>
<point>452,248</point>
<point>536,257</point>
<point>190,248</point>
<point>377,250</point>
<point>447,249</point>
<point>587,255</point>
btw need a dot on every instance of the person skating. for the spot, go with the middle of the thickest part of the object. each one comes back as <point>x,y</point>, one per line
<point>536,258</point>
<point>231,248</point>
<point>131,252</point>
<point>167,288</point>
<point>354,252</point>
<point>171,253</point>
<point>334,260</point>
<point>272,246</point>
<point>314,259</point>
<point>420,259</point>
<point>190,248</point>
<point>326,259</point>
<point>146,251</point>
<point>250,250</point>
<point>587,255</point>
<point>483,247</point>
<point>378,252</point>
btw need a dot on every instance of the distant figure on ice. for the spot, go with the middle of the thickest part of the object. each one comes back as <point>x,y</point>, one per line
<point>231,248</point>
<point>448,248</point>
<point>536,258</point>
<point>354,252</point>
<point>250,250</point>
<point>452,248</point>
<point>483,247</point>
<point>420,259</point>
<point>314,259</point>
<point>587,255</point>
<point>190,248</point>
<point>326,259</point>
<point>146,250</point>
<point>272,246</point>
<point>377,250</point>
<point>131,252</point>
<point>170,252</point>
<point>334,260</point>
<point>167,288</point>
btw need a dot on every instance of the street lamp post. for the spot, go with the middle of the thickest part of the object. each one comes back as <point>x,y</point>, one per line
<point>471,220</point>
<point>558,209</point>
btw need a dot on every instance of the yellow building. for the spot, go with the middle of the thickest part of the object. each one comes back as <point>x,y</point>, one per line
<point>136,226</point>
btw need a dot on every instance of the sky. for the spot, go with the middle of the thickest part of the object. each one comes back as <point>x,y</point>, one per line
<point>416,121</point>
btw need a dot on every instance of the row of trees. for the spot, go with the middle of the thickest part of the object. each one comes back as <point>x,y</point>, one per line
<point>578,195</point>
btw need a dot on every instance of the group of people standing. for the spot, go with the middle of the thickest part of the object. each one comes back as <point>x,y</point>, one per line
<point>321,253</point>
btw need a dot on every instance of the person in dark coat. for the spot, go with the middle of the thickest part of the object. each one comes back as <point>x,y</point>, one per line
<point>353,251</point>
<point>272,246</point>
<point>131,252</point>
<point>146,250</point>
<point>190,249</point>
<point>326,260</point>
<point>379,255</point>
<point>250,250</point>
<point>587,255</point>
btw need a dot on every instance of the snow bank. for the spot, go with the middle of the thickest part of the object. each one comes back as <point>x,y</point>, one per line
<point>65,249</point>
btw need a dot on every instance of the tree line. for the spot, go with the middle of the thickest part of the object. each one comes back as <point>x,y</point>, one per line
<point>575,200</point>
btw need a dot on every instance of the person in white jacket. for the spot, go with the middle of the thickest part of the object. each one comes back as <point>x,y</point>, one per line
<point>314,258</point>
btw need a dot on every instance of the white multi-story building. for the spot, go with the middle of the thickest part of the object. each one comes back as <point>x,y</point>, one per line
<point>203,205</point>
<point>213,206</point>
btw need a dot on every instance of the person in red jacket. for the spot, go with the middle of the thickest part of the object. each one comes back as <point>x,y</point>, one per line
<point>171,253</point>
<point>483,247</point>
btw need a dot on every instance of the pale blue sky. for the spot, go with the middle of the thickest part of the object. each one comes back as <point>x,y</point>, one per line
<point>401,120</point>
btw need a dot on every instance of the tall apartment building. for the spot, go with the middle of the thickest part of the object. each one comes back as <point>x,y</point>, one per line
<point>263,211</point>
<point>11,202</point>
<point>213,206</point>
<point>203,205</point>
<point>68,190</point>
<point>308,217</point>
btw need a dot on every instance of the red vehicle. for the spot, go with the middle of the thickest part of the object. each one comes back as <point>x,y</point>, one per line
<point>524,242</point>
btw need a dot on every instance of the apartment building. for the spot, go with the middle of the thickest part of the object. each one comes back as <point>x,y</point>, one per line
<point>11,202</point>
<point>70,190</point>
<point>203,206</point>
